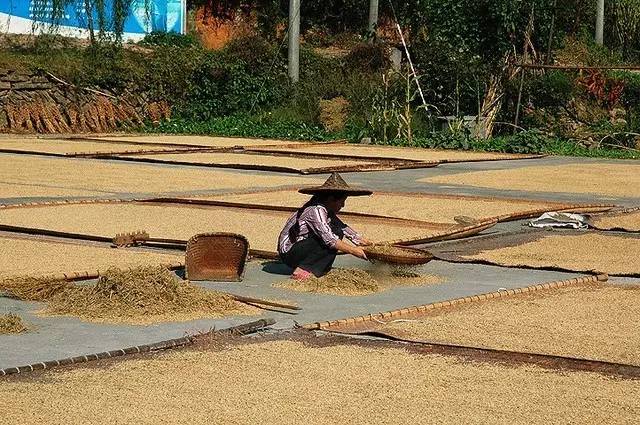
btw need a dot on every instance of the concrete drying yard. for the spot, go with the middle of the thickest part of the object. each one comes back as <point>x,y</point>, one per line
<point>556,345</point>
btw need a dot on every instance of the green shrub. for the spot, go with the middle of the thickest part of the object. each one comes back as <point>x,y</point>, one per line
<point>245,126</point>
<point>551,89</point>
<point>630,99</point>
<point>169,39</point>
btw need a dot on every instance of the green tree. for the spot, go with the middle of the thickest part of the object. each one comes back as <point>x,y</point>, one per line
<point>489,34</point>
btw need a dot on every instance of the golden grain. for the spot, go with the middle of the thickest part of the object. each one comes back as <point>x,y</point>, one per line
<point>288,382</point>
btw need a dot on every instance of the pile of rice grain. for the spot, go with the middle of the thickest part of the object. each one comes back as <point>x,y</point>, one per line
<point>11,324</point>
<point>337,281</point>
<point>142,295</point>
<point>353,282</point>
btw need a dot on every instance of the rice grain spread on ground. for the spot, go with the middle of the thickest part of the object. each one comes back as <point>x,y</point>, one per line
<point>286,382</point>
<point>596,321</point>
<point>599,179</point>
<point>588,252</point>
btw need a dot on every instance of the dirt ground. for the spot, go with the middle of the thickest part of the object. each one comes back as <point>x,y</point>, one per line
<point>289,382</point>
<point>620,180</point>
<point>577,322</point>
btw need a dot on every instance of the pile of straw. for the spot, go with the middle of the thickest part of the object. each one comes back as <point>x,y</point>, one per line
<point>28,288</point>
<point>142,295</point>
<point>11,324</point>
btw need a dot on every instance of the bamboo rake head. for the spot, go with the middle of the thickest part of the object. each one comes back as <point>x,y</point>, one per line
<point>129,239</point>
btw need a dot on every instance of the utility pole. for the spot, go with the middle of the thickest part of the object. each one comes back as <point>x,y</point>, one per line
<point>600,23</point>
<point>373,17</point>
<point>294,40</point>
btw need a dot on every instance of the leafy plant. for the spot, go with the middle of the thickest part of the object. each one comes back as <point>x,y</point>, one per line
<point>169,39</point>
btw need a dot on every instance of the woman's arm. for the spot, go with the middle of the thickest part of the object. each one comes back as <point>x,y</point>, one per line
<point>350,249</point>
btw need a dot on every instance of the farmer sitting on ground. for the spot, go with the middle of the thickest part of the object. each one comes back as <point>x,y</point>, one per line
<point>313,235</point>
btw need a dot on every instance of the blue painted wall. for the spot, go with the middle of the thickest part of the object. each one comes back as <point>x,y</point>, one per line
<point>166,15</point>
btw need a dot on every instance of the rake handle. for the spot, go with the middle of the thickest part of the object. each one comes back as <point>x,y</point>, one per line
<point>263,302</point>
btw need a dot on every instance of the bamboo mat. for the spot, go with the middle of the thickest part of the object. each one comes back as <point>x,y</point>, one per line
<point>241,160</point>
<point>77,146</point>
<point>26,175</point>
<point>208,141</point>
<point>280,382</point>
<point>628,221</point>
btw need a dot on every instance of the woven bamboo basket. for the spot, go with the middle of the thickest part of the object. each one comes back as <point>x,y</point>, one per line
<point>398,255</point>
<point>216,256</point>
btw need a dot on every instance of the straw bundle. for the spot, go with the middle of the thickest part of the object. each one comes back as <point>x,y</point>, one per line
<point>11,324</point>
<point>141,295</point>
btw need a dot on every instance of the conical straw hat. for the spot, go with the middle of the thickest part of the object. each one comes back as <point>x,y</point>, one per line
<point>336,184</point>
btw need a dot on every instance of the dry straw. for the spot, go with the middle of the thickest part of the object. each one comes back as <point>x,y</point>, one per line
<point>11,324</point>
<point>138,296</point>
<point>29,288</point>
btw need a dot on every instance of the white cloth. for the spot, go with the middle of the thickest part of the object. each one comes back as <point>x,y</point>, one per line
<point>560,219</point>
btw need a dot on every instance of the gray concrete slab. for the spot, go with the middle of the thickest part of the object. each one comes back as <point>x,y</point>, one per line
<point>59,337</point>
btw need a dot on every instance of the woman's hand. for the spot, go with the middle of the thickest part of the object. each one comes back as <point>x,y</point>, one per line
<point>359,252</point>
<point>350,249</point>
